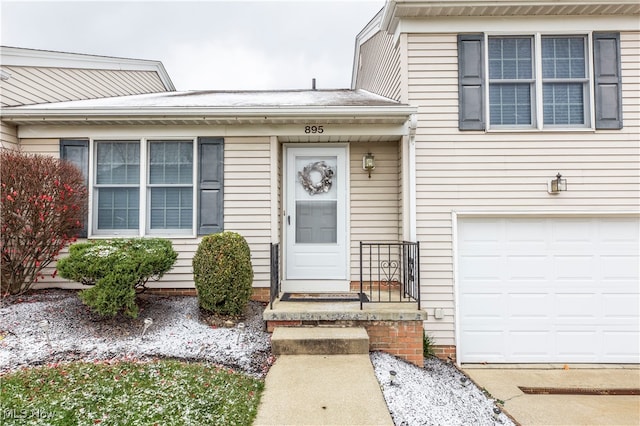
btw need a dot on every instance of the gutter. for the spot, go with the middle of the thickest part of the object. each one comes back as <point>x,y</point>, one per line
<point>89,114</point>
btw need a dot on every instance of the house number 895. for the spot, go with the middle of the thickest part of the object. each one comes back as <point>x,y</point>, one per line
<point>313,129</point>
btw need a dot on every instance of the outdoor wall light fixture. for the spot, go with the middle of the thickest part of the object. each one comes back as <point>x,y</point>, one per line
<point>557,185</point>
<point>368,163</point>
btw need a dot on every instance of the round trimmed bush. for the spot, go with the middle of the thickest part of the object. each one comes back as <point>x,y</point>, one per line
<point>117,270</point>
<point>222,273</point>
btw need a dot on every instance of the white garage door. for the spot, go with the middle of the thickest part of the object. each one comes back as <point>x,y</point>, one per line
<point>549,289</point>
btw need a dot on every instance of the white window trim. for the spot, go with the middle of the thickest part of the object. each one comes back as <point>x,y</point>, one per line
<point>171,232</point>
<point>93,230</point>
<point>537,106</point>
<point>144,210</point>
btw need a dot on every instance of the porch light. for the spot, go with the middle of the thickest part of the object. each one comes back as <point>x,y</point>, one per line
<point>558,184</point>
<point>368,163</point>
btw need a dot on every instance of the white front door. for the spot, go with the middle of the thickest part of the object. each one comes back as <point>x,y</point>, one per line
<point>315,219</point>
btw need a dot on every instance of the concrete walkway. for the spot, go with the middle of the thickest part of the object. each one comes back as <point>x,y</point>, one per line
<point>322,390</point>
<point>503,382</point>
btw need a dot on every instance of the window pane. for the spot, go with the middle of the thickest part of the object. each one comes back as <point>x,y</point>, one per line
<point>563,57</point>
<point>170,162</point>
<point>316,222</point>
<point>118,208</point>
<point>118,163</point>
<point>563,103</point>
<point>510,104</point>
<point>171,208</point>
<point>510,58</point>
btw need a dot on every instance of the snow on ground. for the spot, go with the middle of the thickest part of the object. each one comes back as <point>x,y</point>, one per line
<point>53,326</point>
<point>176,332</point>
<point>438,394</point>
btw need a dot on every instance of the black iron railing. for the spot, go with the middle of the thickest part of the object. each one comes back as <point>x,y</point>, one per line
<point>390,272</point>
<point>274,291</point>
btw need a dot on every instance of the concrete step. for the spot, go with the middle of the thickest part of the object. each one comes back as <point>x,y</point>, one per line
<point>319,341</point>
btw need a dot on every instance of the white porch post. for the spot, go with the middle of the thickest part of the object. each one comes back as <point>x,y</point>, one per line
<point>275,214</point>
<point>409,230</point>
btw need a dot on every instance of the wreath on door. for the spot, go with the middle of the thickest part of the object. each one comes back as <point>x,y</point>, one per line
<point>319,186</point>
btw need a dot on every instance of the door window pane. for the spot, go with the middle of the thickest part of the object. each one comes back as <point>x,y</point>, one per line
<point>316,200</point>
<point>316,222</point>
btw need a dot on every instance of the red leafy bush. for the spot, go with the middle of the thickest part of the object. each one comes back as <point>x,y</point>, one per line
<point>43,208</point>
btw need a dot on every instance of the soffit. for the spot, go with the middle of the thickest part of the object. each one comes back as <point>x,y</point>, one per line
<point>408,9</point>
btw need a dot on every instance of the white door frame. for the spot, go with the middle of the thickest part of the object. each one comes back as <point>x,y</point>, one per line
<point>316,284</point>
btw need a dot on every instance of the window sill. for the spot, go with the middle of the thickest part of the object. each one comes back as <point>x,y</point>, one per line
<point>546,130</point>
<point>167,236</point>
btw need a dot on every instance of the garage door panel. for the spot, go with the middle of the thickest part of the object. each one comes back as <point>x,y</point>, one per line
<point>481,267</point>
<point>579,346</point>
<point>621,345</point>
<point>528,232</point>
<point>622,306</point>
<point>619,230</point>
<point>620,267</point>
<point>575,307</point>
<point>573,232</point>
<point>483,306</point>
<point>527,268</point>
<point>485,344</point>
<point>528,345</point>
<point>549,289</point>
<point>528,305</point>
<point>571,267</point>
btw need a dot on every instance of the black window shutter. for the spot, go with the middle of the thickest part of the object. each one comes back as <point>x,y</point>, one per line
<point>76,151</point>
<point>470,82</point>
<point>210,185</point>
<point>607,80</point>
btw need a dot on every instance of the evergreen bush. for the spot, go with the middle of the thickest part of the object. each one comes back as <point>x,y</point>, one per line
<point>222,273</point>
<point>116,270</point>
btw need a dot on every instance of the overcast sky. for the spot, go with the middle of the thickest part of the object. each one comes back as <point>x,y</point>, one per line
<point>218,45</point>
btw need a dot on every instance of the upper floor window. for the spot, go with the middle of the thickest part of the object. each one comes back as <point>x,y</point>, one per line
<point>539,81</point>
<point>520,79</point>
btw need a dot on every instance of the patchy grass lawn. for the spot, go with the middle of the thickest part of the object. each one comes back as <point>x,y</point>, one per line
<point>128,393</point>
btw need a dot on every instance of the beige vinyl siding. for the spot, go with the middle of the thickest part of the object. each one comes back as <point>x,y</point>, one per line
<point>247,187</point>
<point>506,171</point>
<point>33,85</point>
<point>8,136</point>
<point>41,146</point>
<point>375,203</point>
<point>379,69</point>
<point>247,198</point>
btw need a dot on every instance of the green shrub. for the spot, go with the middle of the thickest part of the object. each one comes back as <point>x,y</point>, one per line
<point>222,273</point>
<point>427,346</point>
<point>117,270</point>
